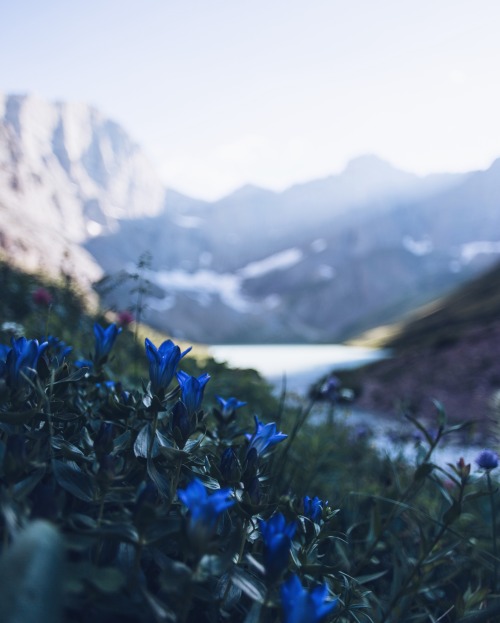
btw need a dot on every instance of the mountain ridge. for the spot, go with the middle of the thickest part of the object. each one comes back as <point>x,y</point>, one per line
<point>320,261</point>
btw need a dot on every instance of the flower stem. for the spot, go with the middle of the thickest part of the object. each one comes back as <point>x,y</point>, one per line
<point>493,532</point>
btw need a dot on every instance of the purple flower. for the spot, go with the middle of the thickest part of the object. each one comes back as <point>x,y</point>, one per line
<point>192,389</point>
<point>104,340</point>
<point>265,437</point>
<point>277,535</point>
<point>487,459</point>
<point>163,362</point>
<point>303,606</point>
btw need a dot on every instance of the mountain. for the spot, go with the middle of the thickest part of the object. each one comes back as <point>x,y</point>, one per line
<point>318,262</point>
<point>446,351</point>
<point>66,174</point>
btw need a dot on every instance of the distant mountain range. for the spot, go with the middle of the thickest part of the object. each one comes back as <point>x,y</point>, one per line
<point>318,262</point>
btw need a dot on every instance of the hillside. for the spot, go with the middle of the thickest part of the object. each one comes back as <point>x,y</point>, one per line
<point>448,352</point>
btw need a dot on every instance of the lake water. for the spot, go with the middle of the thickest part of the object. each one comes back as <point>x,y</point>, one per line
<point>301,364</point>
<point>304,364</point>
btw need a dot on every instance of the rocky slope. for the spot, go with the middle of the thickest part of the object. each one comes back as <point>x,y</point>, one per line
<point>66,174</point>
<point>447,352</point>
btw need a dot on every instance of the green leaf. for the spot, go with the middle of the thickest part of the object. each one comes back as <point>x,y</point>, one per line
<point>249,584</point>
<point>423,470</point>
<point>17,417</point>
<point>441,413</point>
<point>364,579</point>
<point>452,513</point>
<point>71,478</point>
<point>160,480</point>
<point>74,377</point>
<point>68,449</point>
<point>31,576</point>
<point>106,579</point>
<point>143,442</point>
<point>25,487</point>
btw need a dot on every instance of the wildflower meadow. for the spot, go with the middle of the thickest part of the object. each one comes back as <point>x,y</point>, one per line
<point>151,498</point>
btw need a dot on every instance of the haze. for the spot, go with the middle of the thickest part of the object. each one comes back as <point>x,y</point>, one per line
<point>224,93</point>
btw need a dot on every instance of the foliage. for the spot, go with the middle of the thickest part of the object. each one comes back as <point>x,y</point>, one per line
<point>168,503</point>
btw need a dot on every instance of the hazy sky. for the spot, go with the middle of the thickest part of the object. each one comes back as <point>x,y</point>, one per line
<point>224,92</point>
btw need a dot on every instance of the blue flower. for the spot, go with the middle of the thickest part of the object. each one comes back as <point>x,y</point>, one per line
<point>277,535</point>
<point>58,347</point>
<point>83,363</point>
<point>4,351</point>
<point>229,406</point>
<point>104,340</point>
<point>21,361</point>
<point>265,437</point>
<point>303,606</point>
<point>192,389</point>
<point>163,363</point>
<point>313,508</point>
<point>205,509</point>
<point>487,459</point>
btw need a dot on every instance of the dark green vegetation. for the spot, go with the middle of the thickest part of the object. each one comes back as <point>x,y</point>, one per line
<point>120,505</point>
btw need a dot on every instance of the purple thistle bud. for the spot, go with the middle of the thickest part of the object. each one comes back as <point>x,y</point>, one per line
<point>487,459</point>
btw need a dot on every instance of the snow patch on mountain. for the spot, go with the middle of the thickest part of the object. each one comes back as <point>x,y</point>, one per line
<point>278,261</point>
<point>205,284</point>
<point>319,245</point>
<point>417,247</point>
<point>472,249</point>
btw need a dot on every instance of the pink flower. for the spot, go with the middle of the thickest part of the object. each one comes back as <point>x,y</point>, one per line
<point>124,318</point>
<point>42,297</point>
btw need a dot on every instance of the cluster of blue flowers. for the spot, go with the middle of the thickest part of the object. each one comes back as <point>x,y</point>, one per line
<point>242,467</point>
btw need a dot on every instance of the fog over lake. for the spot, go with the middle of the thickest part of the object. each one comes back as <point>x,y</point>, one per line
<point>299,364</point>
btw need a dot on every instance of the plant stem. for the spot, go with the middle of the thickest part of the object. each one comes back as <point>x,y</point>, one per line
<point>493,532</point>
<point>416,567</point>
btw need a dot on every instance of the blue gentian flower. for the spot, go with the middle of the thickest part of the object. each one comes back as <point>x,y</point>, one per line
<point>229,406</point>
<point>192,389</point>
<point>163,363</point>
<point>265,437</point>
<point>205,509</point>
<point>277,535</point>
<point>58,347</point>
<point>83,363</point>
<point>313,508</point>
<point>21,361</point>
<point>104,340</point>
<point>303,606</point>
<point>4,351</point>
<point>487,459</point>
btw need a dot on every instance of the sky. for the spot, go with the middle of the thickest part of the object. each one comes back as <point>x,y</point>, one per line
<point>220,93</point>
